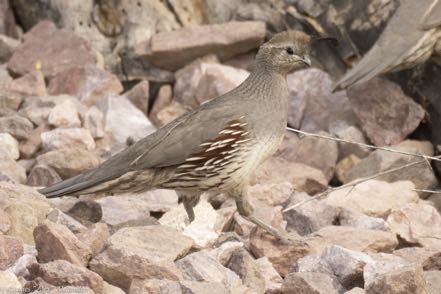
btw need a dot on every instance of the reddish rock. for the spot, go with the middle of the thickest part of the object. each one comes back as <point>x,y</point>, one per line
<point>95,237</point>
<point>139,96</point>
<point>7,19</point>
<point>63,273</point>
<point>387,114</point>
<point>88,83</point>
<point>11,249</point>
<point>310,283</point>
<point>282,256</point>
<point>163,99</point>
<point>172,50</point>
<point>54,241</point>
<point>52,49</point>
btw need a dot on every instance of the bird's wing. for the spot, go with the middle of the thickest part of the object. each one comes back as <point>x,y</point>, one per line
<point>169,146</point>
<point>401,34</point>
<point>432,17</point>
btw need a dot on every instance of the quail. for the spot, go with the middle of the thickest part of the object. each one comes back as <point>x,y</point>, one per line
<point>410,38</point>
<point>215,147</point>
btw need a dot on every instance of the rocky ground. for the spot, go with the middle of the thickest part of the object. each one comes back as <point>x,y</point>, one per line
<point>66,105</point>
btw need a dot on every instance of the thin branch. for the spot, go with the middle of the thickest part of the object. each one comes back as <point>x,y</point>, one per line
<point>426,157</point>
<point>356,182</point>
<point>427,191</point>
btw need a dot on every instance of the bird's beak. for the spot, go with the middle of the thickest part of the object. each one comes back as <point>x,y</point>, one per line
<point>306,61</point>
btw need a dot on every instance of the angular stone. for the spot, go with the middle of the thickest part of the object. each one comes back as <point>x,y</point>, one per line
<point>208,287</point>
<point>377,161</point>
<point>172,50</point>
<point>201,230</point>
<point>69,162</point>
<point>303,177</point>
<point>119,209</point>
<point>64,115</point>
<point>310,216</point>
<point>273,281</point>
<point>59,217</point>
<point>374,198</point>
<point>95,237</point>
<point>25,208</point>
<point>359,220</point>
<point>354,239</point>
<point>344,167</point>
<point>347,265</point>
<point>309,282</point>
<point>54,241</point>
<point>387,115</point>
<point>310,150</point>
<point>154,286</point>
<point>17,126</point>
<point>62,273</point>
<point>32,144</point>
<point>391,274</point>
<point>417,223</point>
<point>123,120</point>
<point>247,269</point>
<point>343,130</point>
<point>88,83</point>
<point>12,171</point>
<point>356,290</point>
<point>8,146</point>
<point>30,85</point>
<point>205,79</point>
<point>282,256</point>
<point>428,257</point>
<point>10,250</point>
<point>7,47</point>
<point>311,90</point>
<point>199,266</point>
<point>86,211</point>
<point>169,113</point>
<point>271,194</point>
<point>163,99</point>
<point>94,122</point>
<point>45,46</point>
<point>152,248</point>
<point>139,96</point>
<point>65,138</point>
<point>42,176</point>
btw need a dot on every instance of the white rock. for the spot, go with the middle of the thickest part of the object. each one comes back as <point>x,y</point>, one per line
<point>9,146</point>
<point>64,115</point>
<point>374,198</point>
<point>64,138</point>
<point>124,120</point>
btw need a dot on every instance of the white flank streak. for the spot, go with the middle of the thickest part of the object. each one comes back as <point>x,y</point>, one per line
<point>194,158</point>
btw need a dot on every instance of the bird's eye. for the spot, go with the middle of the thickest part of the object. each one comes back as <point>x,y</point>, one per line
<point>289,50</point>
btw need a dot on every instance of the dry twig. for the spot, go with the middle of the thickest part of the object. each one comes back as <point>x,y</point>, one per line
<point>425,159</point>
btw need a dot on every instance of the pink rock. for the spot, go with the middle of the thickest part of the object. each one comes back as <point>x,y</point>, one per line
<point>71,137</point>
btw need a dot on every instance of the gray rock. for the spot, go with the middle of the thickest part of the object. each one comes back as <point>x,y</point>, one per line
<point>309,217</point>
<point>123,120</point>
<point>59,217</point>
<point>7,47</point>
<point>199,266</point>
<point>64,115</point>
<point>433,281</point>
<point>94,122</point>
<point>42,176</point>
<point>17,126</point>
<point>11,249</point>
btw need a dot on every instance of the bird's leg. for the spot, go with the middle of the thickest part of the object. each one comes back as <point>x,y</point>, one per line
<point>246,210</point>
<point>189,201</point>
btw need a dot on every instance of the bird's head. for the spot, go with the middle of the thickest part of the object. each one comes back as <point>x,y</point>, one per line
<point>285,52</point>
